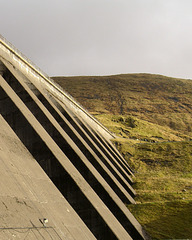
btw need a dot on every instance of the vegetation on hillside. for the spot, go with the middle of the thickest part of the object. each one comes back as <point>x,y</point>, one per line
<point>151,115</point>
<point>154,98</point>
<point>161,159</point>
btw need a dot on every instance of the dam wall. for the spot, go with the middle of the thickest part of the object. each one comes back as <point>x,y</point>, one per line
<point>61,176</point>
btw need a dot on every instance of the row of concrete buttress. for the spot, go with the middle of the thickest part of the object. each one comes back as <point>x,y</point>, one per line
<point>83,165</point>
<point>30,204</point>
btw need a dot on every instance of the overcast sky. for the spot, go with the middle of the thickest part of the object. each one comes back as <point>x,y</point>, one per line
<point>102,37</point>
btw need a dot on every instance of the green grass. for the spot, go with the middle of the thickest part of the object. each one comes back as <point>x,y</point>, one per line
<point>161,159</point>
<point>151,115</point>
<point>128,126</point>
<point>165,220</point>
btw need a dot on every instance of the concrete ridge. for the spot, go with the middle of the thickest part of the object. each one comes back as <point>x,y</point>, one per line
<point>28,62</point>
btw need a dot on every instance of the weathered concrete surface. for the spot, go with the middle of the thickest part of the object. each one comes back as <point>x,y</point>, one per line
<point>73,149</point>
<point>27,196</point>
<point>110,220</point>
<point>79,139</point>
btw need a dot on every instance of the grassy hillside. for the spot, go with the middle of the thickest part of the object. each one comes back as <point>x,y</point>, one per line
<point>151,116</point>
<point>154,98</point>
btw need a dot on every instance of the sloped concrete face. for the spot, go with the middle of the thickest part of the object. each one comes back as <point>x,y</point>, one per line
<point>67,167</point>
<point>28,196</point>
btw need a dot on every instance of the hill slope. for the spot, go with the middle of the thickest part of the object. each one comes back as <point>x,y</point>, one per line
<point>151,116</point>
<point>155,98</point>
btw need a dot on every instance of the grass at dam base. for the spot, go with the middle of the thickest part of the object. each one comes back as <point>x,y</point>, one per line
<point>163,176</point>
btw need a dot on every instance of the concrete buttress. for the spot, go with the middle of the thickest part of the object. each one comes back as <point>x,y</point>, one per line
<point>61,178</point>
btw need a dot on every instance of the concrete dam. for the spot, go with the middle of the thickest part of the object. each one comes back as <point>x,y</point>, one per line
<point>61,177</point>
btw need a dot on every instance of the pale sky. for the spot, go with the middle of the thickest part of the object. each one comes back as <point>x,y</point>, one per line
<point>102,37</point>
